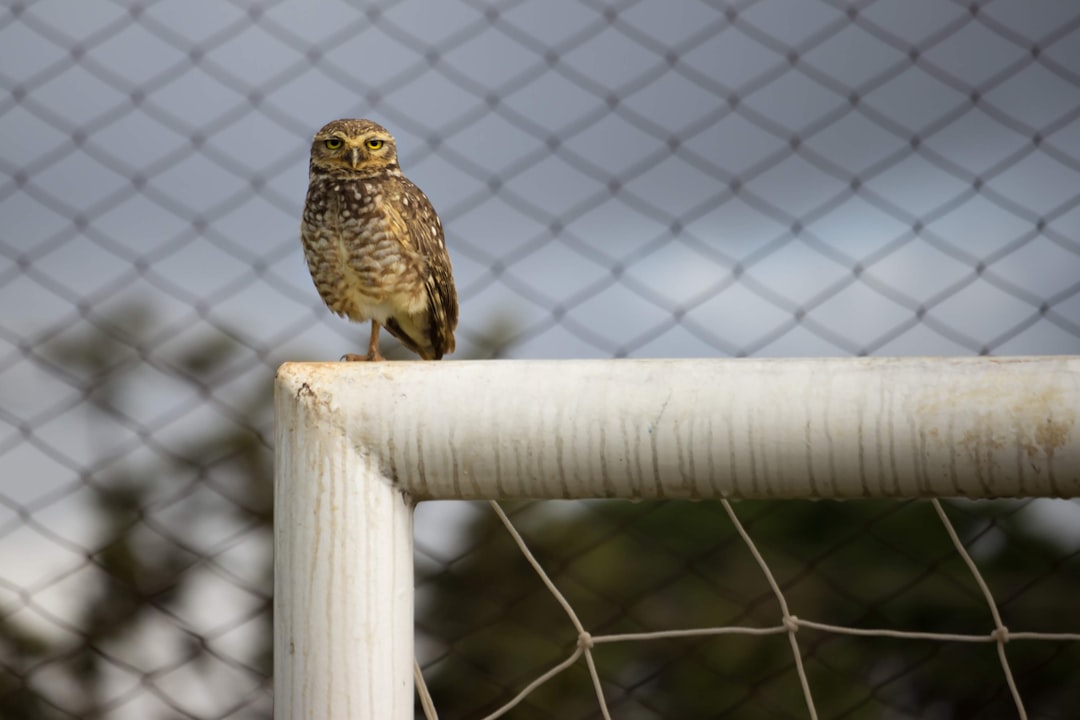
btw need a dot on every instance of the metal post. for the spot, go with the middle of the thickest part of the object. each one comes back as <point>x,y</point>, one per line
<point>343,582</point>
<point>357,442</point>
<point>747,428</point>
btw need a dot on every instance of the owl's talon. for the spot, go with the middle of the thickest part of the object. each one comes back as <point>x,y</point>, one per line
<point>353,357</point>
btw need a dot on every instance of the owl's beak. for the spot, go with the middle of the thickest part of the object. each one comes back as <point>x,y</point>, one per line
<point>355,155</point>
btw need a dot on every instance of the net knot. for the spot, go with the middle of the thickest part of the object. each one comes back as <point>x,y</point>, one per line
<point>791,622</point>
<point>1001,634</point>
<point>585,641</point>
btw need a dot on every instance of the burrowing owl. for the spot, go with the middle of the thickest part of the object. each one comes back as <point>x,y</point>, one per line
<point>373,242</point>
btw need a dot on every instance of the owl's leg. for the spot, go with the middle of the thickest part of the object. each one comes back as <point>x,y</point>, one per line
<point>373,343</point>
<point>373,347</point>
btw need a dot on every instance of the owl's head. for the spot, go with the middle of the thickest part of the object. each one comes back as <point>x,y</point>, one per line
<point>353,147</point>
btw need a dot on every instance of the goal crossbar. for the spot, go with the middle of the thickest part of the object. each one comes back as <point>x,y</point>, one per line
<point>358,444</point>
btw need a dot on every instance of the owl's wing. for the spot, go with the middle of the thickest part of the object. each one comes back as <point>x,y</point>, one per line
<point>420,230</point>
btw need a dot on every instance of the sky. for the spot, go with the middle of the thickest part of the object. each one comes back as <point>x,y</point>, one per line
<point>616,179</point>
<point>612,155</point>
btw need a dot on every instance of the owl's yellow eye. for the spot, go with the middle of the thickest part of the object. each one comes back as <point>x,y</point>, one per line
<point>333,143</point>
<point>374,144</point>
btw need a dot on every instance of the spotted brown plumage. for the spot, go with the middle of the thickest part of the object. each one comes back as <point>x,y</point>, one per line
<point>374,243</point>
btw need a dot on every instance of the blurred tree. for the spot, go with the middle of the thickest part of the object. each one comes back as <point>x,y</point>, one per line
<point>150,514</point>
<point>487,627</point>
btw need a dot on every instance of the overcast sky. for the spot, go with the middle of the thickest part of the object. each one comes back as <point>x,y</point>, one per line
<point>645,179</point>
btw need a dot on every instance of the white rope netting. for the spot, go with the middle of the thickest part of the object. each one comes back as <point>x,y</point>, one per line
<point>789,625</point>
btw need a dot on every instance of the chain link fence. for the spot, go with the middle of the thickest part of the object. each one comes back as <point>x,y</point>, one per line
<point>634,178</point>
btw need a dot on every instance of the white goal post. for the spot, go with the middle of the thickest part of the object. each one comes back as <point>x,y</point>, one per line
<point>358,444</point>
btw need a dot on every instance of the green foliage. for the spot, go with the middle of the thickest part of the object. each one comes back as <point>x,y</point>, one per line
<point>150,515</point>
<point>638,567</point>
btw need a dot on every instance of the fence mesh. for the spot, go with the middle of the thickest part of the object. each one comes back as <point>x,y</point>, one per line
<point>629,178</point>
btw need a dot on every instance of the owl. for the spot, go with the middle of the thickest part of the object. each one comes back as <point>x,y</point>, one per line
<point>374,243</point>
